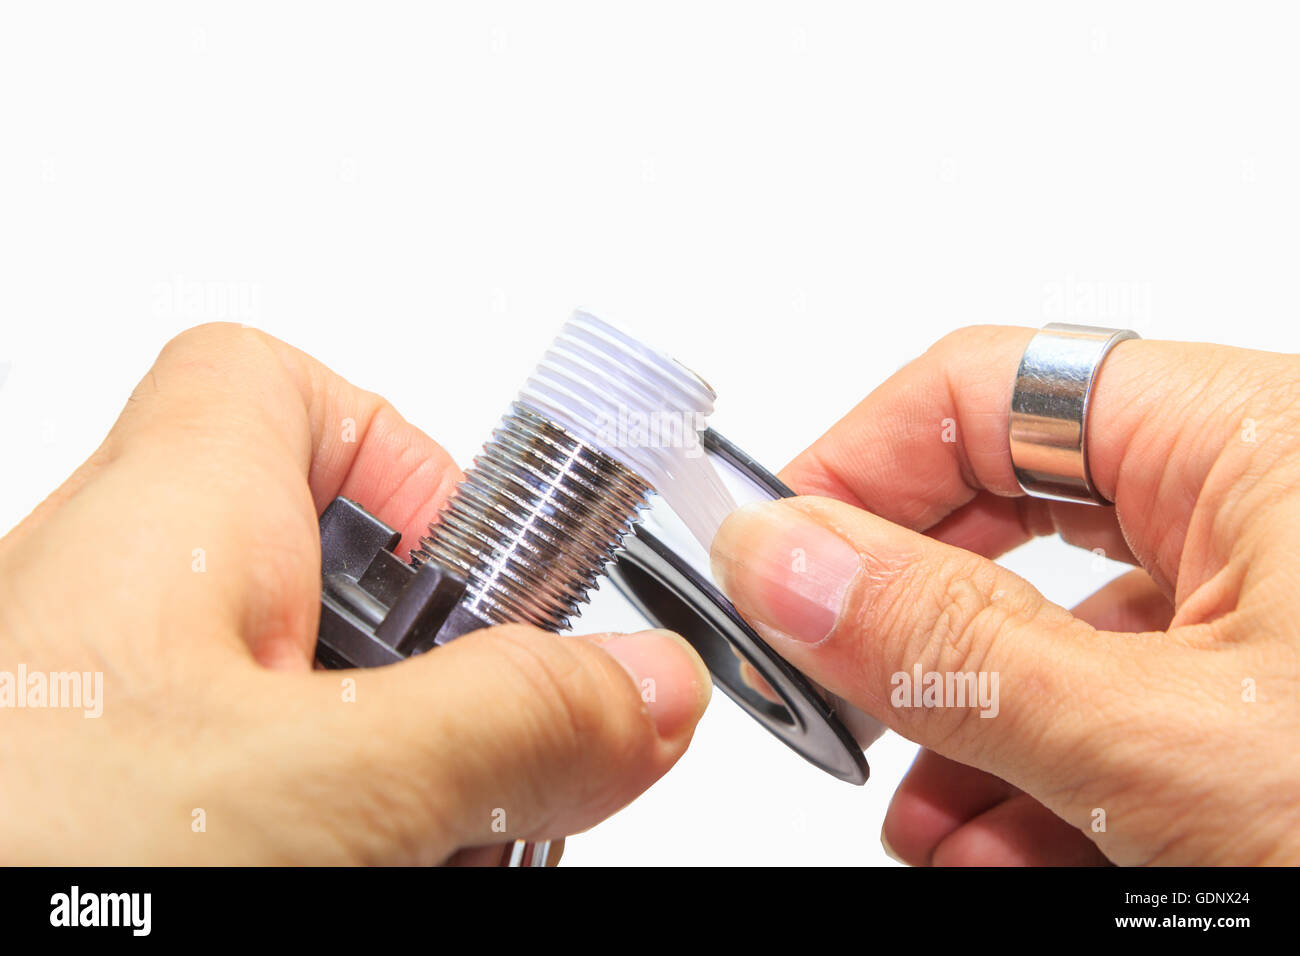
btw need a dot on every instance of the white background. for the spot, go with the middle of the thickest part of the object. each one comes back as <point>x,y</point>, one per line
<point>794,199</point>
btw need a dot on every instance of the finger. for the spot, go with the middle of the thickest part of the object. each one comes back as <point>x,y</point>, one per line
<point>496,855</point>
<point>991,525</point>
<point>1129,604</point>
<point>231,445</point>
<point>507,733</point>
<point>227,383</point>
<point>927,442</point>
<point>936,797</point>
<point>363,449</point>
<point>928,449</point>
<point>1017,832</point>
<point>556,853</point>
<point>868,609</point>
<point>977,820</point>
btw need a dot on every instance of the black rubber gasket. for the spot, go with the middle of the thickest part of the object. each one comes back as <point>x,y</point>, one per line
<point>671,594</point>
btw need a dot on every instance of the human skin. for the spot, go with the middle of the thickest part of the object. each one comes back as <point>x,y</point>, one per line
<point>182,561</point>
<point>1165,707</point>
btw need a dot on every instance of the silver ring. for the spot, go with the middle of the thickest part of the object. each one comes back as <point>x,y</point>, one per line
<point>1049,410</point>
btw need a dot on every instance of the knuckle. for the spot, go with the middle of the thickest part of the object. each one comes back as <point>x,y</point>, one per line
<point>945,616</point>
<point>205,357</point>
<point>203,338</point>
<point>956,609</point>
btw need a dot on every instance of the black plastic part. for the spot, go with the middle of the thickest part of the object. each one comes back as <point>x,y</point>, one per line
<point>375,608</point>
<point>672,594</point>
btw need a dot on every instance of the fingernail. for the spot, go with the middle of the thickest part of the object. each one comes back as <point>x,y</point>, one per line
<point>786,572</point>
<point>673,682</point>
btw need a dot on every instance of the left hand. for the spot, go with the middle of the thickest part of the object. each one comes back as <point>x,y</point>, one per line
<point>181,565</point>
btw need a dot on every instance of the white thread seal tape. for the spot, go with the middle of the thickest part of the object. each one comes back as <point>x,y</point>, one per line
<point>640,407</point>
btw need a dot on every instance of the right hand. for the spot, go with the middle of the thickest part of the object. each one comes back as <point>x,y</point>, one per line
<point>1159,723</point>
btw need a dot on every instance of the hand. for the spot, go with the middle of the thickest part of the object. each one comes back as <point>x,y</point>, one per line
<point>181,564</point>
<point>1156,724</point>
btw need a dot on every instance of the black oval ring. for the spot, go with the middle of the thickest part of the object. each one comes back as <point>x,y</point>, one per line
<point>671,594</point>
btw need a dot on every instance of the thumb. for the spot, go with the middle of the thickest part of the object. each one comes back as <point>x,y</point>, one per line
<point>941,645</point>
<point>507,733</point>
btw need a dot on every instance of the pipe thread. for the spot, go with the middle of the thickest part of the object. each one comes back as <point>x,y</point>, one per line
<point>533,524</point>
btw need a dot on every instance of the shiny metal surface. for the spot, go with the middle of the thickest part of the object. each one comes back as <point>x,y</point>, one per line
<point>1049,410</point>
<point>533,524</point>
